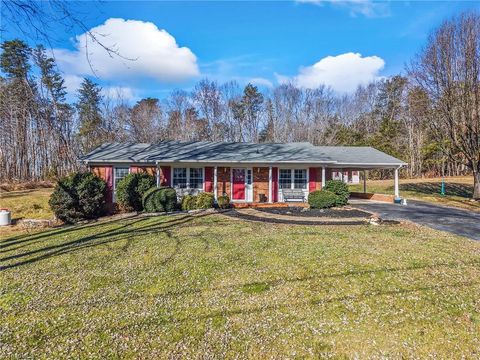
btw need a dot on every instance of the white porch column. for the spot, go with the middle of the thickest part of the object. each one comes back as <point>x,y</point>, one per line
<point>158,175</point>
<point>323,177</point>
<point>215,193</point>
<point>364,181</point>
<point>270,184</point>
<point>397,191</point>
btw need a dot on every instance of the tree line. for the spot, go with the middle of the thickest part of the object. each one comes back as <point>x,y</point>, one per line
<point>428,117</point>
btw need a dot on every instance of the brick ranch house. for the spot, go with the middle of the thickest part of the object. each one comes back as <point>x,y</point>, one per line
<point>246,172</point>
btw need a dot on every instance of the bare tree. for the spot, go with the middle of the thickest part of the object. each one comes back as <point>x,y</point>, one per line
<point>448,70</point>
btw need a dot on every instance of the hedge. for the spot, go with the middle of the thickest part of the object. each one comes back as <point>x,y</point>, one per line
<point>130,190</point>
<point>163,199</point>
<point>322,199</point>
<point>78,196</point>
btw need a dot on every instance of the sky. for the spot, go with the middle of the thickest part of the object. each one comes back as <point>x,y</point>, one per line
<point>172,45</point>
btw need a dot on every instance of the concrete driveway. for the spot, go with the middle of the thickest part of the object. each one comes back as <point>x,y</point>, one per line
<point>454,220</point>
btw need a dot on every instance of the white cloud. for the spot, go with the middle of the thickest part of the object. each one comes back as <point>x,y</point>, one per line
<point>259,81</point>
<point>343,73</point>
<point>367,8</point>
<point>72,83</point>
<point>145,52</point>
<point>119,92</point>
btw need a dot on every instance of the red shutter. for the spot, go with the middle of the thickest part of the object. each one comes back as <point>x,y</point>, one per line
<point>165,176</point>
<point>208,184</point>
<point>312,178</point>
<point>274,184</point>
<point>109,180</point>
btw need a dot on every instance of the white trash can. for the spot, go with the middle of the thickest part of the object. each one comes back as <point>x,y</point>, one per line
<point>5,217</point>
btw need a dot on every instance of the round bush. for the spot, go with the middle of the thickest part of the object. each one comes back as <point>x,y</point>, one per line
<point>205,200</point>
<point>223,202</point>
<point>130,190</point>
<point>162,199</point>
<point>322,199</point>
<point>78,196</point>
<point>340,189</point>
<point>189,202</point>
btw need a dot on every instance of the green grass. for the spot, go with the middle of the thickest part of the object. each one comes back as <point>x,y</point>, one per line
<point>27,204</point>
<point>458,190</point>
<point>216,287</point>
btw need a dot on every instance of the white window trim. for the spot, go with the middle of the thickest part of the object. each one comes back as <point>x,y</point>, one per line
<point>115,175</point>
<point>188,176</point>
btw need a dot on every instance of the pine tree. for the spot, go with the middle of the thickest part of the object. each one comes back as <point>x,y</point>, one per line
<point>89,114</point>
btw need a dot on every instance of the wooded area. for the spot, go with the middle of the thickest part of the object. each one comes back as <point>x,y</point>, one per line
<point>428,117</point>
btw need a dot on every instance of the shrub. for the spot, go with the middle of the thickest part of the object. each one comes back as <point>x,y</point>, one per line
<point>162,199</point>
<point>189,202</point>
<point>340,189</point>
<point>322,199</point>
<point>223,202</point>
<point>205,200</point>
<point>130,191</point>
<point>78,196</point>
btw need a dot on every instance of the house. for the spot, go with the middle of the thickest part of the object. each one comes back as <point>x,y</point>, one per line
<point>246,172</point>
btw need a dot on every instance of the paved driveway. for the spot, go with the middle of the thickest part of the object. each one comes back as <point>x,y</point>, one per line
<point>457,221</point>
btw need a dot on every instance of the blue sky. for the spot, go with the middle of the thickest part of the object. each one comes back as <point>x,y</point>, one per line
<point>337,43</point>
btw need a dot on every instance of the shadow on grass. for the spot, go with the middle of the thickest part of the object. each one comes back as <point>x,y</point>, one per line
<point>131,227</point>
<point>434,188</point>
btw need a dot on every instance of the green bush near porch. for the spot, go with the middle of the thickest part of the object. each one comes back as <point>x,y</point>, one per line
<point>130,191</point>
<point>162,199</point>
<point>205,200</point>
<point>322,199</point>
<point>340,189</point>
<point>189,202</point>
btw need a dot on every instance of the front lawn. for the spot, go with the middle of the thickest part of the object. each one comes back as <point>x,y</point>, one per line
<point>216,287</point>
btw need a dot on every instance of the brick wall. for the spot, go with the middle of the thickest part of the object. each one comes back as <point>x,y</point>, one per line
<point>223,181</point>
<point>260,183</point>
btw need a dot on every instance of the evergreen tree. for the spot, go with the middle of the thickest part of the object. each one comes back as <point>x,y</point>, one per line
<point>89,114</point>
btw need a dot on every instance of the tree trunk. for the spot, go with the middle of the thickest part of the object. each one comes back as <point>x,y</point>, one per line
<point>476,185</point>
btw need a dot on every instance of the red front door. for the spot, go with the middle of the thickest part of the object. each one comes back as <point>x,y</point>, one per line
<point>238,184</point>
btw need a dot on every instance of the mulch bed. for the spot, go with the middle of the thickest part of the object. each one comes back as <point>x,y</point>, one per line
<point>305,212</point>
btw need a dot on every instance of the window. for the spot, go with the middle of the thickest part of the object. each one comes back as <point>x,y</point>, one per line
<point>180,178</point>
<point>196,178</point>
<point>285,179</point>
<point>249,176</point>
<point>300,179</point>
<point>188,178</point>
<point>120,173</point>
<point>292,179</point>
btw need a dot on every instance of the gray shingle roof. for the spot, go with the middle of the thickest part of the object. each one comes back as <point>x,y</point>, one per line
<point>223,152</point>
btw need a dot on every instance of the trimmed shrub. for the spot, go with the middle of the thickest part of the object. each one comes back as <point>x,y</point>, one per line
<point>205,200</point>
<point>163,199</point>
<point>340,189</point>
<point>223,202</point>
<point>130,190</point>
<point>189,202</point>
<point>77,197</point>
<point>322,199</point>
